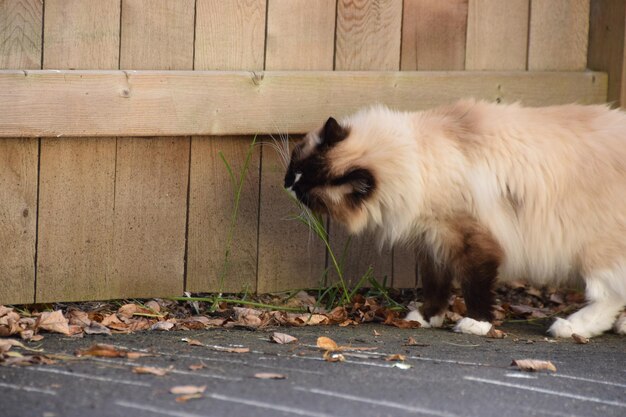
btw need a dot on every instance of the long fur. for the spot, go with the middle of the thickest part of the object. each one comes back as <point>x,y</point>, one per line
<point>547,187</point>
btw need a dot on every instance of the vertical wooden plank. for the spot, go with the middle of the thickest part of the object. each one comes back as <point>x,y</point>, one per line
<point>20,33</point>
<point>230,35</point>
<point>81,34</point>
<point>157,35</point>
<point>606,45</point>
<point>18,214</point>
<point>300,34</point>
<point>152,173</point>
<point>368,38</point>
<point>559,32</point>
<point>77,175</point>
<point>368,35</point>
<point>433,35</point>
<point>75,219</point>
<point>211,206</point>
<point>497,35</point>
<point>150,216</point>
<point>20,48</point>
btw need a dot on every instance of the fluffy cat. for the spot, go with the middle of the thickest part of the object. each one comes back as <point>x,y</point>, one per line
<point>484,192</point>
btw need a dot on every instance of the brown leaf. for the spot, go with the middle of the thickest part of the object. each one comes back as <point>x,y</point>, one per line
<point>404,324</point>
<point>78,318</point>
<point>185,398</point>
<point>375,333</point>
<point>102,350</point>
<point>192,342</point>
<point>153,305</point>
<point>53,322</point>
<point>282,338</point>
<point>269,375</point>
<point>187,389</point>
<point>96,328</point>
<point>338,315</point>
<point>111,319</point>
<point>136,355</point>
<point>152,370</point>
<point>4,310</point>
<point>395,357</point>
<point>197,366</point>
<point>330,356</point>
<point>236,350</point>
<point>412,342</point>
<point>494,333</point>
<point>128,310</point>
<point>533,365</point>
<point>162,325</point>
<point>580,339</point>
<point>327,344</point>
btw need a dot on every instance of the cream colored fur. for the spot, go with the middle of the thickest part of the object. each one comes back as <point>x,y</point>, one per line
<point>548,183</point>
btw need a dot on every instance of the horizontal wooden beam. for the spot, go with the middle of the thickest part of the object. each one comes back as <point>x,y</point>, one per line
<point>152,103</point>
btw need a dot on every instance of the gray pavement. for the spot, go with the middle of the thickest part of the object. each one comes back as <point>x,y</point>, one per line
<point>450,375</point>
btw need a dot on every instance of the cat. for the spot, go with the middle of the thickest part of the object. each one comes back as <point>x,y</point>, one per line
<point>483,192</point>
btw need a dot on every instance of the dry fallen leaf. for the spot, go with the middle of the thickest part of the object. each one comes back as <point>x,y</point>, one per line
<point>494,333</point>
<point>533,365</point>
<point>236,350</point>
<point>162,325</point>
<point>395,357</point>
<point>412,342</point>
<point>376,333</point>
<point>102,350</point>
<point>135,355</point>
<point>153,305</point>
<point>269,375</point>
<point>53,322</point>
<point>96,328</point>
<point>197,366</point>
<point>192,342</point>
<point>282,338</point>
<point>333,357</point>
<point>152,370</point>
<point>187,389</point>
<point>327,343</point>
<point>580,339</point>
<point>185,398</point>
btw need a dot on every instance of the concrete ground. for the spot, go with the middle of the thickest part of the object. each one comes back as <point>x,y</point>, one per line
<point>450,375</point>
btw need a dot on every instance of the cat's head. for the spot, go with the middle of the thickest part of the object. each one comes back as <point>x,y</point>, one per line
<point>320,176</point>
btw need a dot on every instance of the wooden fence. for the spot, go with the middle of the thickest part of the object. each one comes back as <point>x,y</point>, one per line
<point>112,113</point>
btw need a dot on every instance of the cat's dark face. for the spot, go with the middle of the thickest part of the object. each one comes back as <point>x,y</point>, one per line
<point>315,180</point>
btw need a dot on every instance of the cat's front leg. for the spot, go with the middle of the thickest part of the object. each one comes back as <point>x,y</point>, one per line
<point>436,286</point>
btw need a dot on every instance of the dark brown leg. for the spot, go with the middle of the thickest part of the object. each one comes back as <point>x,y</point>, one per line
<point>436,284</point>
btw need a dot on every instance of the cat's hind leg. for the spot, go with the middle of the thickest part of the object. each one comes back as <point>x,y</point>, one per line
<point>606,296</point>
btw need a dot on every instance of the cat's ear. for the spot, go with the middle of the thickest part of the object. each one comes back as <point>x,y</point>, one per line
<point>332,132</point>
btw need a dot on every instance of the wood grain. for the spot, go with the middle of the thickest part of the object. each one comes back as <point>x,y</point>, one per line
<point>18,214</point>
<point>50,103</point>
<point>157,34</point>
<point>211,206</point>
<point>559,31</point>
<point>77,175</point>
<point>20,33</point>
<point>434,35</point>
<point>606,45</point>
<point>150,213</point>
<point>497,35</point>
<point>230,35</point>
<point>75,219</point>
<point>368,35</point>
<point>300,34</point>
<point>81,34</point>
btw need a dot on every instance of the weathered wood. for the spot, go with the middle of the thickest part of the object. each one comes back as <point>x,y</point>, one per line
<point>497,35</point>
<point>300,34</point>
<point>434,35</point>
<point>230,35</point>
<point>157,34</point>
<point>606,45</point>
<point>81,35</point>
<point>75,219</point>
<point>77,175</point>
<point>50,103</point>
<point>150,213</point>
<point>211,206</point>
<point>20,33</point>
<point>368,35</point>
<point>558,35</point>
<point>18,214</point>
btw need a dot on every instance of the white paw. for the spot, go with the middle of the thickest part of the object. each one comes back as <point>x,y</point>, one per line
<point>415,315</point>
<point>562,328</point>
<point>470,326</point>
<point>437,321</point>
<point>620,325</point>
